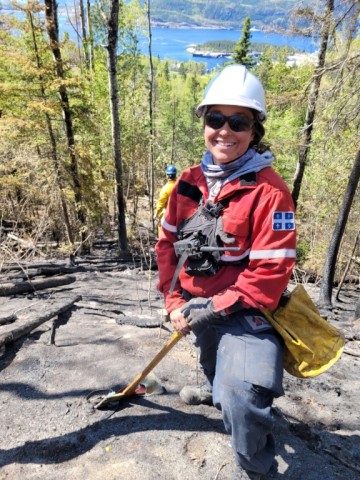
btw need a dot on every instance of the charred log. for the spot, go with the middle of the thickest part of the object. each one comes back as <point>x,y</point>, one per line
<point>30,325</point>
<point>34,285</point>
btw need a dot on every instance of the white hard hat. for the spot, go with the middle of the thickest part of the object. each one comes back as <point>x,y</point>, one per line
<point>235,85</point>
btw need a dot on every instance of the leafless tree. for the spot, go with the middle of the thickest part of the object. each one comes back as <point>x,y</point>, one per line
<point>327,25</point>
<point>151,115</point>
<point>52,27</point>
<point>90,37</point>
<point>329,269</point>
<point>84,35</point>
<point>345,72</point>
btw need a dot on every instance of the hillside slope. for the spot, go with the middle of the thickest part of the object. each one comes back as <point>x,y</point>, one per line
<point>50,431</point>
<point>222,13</point>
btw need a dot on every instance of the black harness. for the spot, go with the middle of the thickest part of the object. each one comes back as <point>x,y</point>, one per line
<point>201,241</point>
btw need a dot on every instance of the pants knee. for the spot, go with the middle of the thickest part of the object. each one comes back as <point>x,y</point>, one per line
<point>247,416</point>
<point>246,409</point>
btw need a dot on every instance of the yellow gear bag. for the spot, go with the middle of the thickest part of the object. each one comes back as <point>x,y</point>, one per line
<point>312,345</point>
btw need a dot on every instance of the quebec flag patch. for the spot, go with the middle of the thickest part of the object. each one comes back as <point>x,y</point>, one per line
<point>283,221</point>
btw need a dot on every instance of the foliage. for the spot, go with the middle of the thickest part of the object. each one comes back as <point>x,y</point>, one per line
<point>242,48</point>
<point>31,195</point>
<point>227,46</point>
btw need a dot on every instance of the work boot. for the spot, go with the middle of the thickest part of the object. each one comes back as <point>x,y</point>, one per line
<point>241,474</point>
<point>196,394</point>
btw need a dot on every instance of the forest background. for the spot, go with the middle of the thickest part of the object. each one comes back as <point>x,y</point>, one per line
<point>67,172</point>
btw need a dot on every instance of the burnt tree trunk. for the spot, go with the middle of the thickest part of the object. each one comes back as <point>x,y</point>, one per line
<point>53,32</point>
<point>312,101</point>
<point>112,32</point>
<point>151,117</point>
<point>329,269</point>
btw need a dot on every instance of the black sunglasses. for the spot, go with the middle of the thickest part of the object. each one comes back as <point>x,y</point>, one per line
<point>238,122</point>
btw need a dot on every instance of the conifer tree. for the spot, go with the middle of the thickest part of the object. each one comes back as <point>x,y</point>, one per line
<point>241,50</point>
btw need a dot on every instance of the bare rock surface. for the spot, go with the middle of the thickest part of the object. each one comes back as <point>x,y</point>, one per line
<point>50,431</point>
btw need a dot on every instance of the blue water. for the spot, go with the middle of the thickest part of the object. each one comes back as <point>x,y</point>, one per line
<point>172,43</point>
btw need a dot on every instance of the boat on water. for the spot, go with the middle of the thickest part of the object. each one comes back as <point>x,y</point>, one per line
<point>212,54</point>
<point>296,59</point>
<point>208,54</point>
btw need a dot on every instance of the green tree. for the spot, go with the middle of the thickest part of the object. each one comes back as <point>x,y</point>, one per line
<point>53,140</point>
<point>31,108</point>
<point>34,137</point>
<point>241,50</point>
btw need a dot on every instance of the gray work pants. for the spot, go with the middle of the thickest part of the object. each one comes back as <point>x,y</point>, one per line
<point>241,356</point>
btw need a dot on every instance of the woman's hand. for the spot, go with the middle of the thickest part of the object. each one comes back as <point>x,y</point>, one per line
<point>199,312</point>
<point>179,322</point>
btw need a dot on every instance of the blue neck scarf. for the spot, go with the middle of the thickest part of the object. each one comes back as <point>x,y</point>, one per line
<point>251,161</point>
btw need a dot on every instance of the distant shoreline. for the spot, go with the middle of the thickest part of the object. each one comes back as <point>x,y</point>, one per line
<point>173,43</point>
<point>192,26</point>
<point>189,26</point>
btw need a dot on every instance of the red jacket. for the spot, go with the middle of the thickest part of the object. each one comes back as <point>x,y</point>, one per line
<point>260,215</point>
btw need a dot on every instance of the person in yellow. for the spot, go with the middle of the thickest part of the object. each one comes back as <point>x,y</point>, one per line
<point>164,194</point>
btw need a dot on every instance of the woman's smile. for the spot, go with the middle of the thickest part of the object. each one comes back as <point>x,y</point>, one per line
<point>225,144</point>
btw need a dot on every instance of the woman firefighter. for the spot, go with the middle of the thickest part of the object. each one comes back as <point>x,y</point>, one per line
<point>226,250</point>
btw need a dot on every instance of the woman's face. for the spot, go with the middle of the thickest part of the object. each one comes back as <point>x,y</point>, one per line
<point>224,143</point>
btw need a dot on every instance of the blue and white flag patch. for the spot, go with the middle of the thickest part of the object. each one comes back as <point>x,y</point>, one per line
<point>283,221</point>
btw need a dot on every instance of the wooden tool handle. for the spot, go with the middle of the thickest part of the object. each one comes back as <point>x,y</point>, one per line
<point>166,348</point>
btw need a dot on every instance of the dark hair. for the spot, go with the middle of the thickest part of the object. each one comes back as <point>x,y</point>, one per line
<point>171,177</point>
<point>259,133</point>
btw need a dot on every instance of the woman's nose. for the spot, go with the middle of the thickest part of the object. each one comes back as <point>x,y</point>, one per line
<point>225,128</point>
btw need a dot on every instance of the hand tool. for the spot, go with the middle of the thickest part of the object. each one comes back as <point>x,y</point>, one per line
<point>110,396</point>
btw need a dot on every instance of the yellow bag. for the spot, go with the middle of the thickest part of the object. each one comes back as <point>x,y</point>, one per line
<point>312,345</point>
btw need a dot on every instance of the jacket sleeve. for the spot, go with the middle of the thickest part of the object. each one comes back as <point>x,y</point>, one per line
<point>165,256</point>
<point>271,258</point>
<point>163,199</point>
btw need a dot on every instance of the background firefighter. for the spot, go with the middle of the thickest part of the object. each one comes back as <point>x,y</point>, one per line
<point>240,353</point>
<point>164,194</point>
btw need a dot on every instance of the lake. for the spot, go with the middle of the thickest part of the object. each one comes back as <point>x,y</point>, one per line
<point>172,43</point>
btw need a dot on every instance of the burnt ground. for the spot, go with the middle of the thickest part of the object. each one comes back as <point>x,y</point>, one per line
<point>50,431</point>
